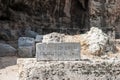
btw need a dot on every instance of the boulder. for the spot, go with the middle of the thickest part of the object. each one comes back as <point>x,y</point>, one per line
<point>7,50</point>
<point>94,41</point>
<point>53,38</point>
<point>25,51</point>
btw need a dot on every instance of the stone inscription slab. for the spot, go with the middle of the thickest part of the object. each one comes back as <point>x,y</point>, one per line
<point>58,51</point>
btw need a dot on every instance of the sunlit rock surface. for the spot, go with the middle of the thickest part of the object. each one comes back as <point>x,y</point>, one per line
<point>94,41</point>
<point>53,38</point>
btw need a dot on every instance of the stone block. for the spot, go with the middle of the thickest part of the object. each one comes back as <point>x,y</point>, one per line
<point>26,41</point>
<point>26,47</point>
<point>25,51</point>
<point>58,51</point>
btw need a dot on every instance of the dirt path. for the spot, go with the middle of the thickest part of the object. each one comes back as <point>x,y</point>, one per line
<point>8,68</point>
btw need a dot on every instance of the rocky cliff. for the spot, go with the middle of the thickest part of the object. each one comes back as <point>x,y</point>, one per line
<point>65,16</point>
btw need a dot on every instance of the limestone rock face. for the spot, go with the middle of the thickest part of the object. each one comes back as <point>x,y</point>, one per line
<point>53,37</point>
<point>46,15</point>
<point>7,50</point>
<point>105,14</point>
<point>94,41</point>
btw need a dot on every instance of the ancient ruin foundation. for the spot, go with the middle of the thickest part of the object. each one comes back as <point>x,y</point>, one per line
<point>23,23</point>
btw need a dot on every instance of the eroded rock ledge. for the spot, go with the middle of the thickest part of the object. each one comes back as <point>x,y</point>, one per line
<point>29,69</point>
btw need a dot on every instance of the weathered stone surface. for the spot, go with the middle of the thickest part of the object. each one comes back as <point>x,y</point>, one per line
<point>105,14</point>
<point>58,51</point>
<point>29,69</point>
<point>7,50</point>
<point>25,51</point>
<point>94,41</point>
<point>39,38</point>
<point>26,41</point>
<point>53,38</point>
<point>26,47</point>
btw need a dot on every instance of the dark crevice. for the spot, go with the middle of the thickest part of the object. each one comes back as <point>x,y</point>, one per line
<point>19,7</point>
